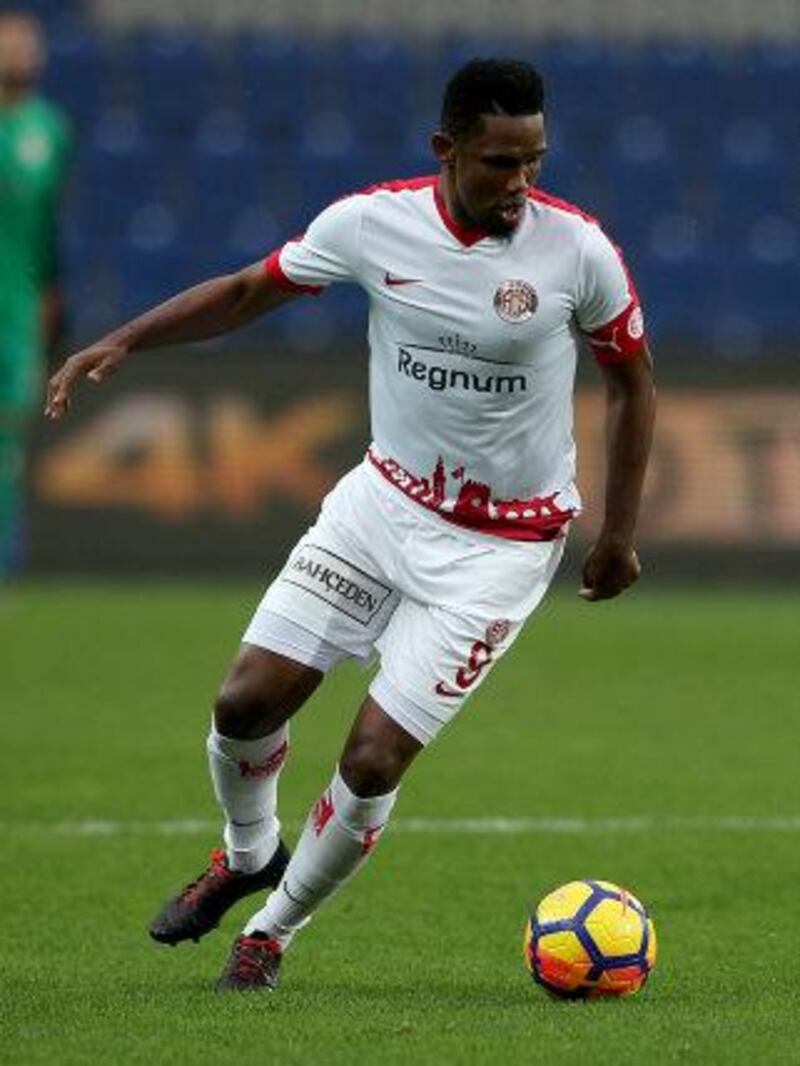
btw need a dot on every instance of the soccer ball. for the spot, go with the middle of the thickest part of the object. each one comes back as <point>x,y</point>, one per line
<point>589,939</point>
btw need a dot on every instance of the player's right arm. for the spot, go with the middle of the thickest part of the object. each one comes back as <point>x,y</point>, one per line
<point>209,309</point>
<point>327,252</point>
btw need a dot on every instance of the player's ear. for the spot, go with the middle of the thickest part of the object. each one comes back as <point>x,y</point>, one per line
<point>443,147</point>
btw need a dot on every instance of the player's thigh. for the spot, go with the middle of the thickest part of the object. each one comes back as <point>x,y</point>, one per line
<point>333,598</point>
<point>433,657</point>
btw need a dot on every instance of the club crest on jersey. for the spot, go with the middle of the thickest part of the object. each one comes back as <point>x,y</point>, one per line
<point>515,301</point>
<point>497,631</point>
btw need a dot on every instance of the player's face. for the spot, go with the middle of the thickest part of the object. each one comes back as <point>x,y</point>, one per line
<point>21,53</point>
<point>489,170</point>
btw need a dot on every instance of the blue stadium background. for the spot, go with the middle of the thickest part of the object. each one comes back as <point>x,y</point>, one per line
<point>196,153</point>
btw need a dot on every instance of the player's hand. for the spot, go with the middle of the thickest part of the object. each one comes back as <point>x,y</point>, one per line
<point>608,570</point>
<point>96,363</point>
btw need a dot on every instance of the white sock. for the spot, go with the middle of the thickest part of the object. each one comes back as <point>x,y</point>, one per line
<point>341,831</point>
<point>245,777</point>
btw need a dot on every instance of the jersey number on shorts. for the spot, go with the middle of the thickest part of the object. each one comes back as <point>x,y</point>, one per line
<point>479,658</point>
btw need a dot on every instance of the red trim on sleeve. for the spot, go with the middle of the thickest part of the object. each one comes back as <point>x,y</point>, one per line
<point>620,339</point>
<point>272,265</point>
<point>400,185</point>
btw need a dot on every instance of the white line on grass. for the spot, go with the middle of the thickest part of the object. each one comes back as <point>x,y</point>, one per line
<point>645,823</point>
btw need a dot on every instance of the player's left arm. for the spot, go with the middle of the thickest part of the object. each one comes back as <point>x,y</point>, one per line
<point>612,564</point>
<point>611,320</point>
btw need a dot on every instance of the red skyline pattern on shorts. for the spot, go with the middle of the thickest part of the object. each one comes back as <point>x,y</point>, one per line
<point>536,519</point>
<point>270,766</point>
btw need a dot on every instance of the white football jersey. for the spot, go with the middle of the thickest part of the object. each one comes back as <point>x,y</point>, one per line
<point>473,342</point>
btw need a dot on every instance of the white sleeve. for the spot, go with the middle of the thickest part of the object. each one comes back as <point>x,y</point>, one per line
<point>604,287</point>
<point>329,250</point>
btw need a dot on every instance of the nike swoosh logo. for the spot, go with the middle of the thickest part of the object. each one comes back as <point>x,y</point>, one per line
<point>391,280</point>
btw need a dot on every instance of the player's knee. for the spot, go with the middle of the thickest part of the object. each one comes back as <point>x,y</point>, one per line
<point>370,768</point>
<point>260,693</point>
<point>242,713</point>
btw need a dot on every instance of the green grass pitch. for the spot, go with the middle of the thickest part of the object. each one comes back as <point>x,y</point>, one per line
<point>651,741</point>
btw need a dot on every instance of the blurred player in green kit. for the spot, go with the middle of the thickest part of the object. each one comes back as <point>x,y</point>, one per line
<point>34,146</point>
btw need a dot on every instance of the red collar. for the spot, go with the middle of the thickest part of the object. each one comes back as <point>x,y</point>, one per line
<point>467,235</point>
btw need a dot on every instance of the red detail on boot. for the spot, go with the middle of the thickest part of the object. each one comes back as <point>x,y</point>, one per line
<point>263,945</point>
<point>322,813</point>
<point>268,767</point>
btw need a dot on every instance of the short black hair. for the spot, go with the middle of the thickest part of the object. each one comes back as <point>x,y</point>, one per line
<point>490,87</point>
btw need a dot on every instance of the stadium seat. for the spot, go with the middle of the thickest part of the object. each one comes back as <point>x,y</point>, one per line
<point>583,80</point>
<point>763,80</point>
<point>767,286</point>
<point>679,296</point>
<point>272,80</point>
<point>73,75</point>
<point>223,170</point>
<point>117,168</point>
<point>152,274</point>
<point>644,180</point>
<point>744,193</point>
<point>669,79</point>
<point>118,150</point>
<point>173,80</point>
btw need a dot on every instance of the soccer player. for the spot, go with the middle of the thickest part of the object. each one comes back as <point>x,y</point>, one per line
<point>34,146</point>
<point>440,544</point>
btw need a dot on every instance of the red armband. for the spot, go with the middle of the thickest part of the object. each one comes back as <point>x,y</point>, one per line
<point>620,339</point>
<point>272,265</point>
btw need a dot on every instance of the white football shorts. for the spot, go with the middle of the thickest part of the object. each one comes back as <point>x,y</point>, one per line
<point>440,604</point>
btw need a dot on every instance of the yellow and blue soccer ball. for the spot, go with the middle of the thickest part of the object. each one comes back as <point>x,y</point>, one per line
<point>589,939</point>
